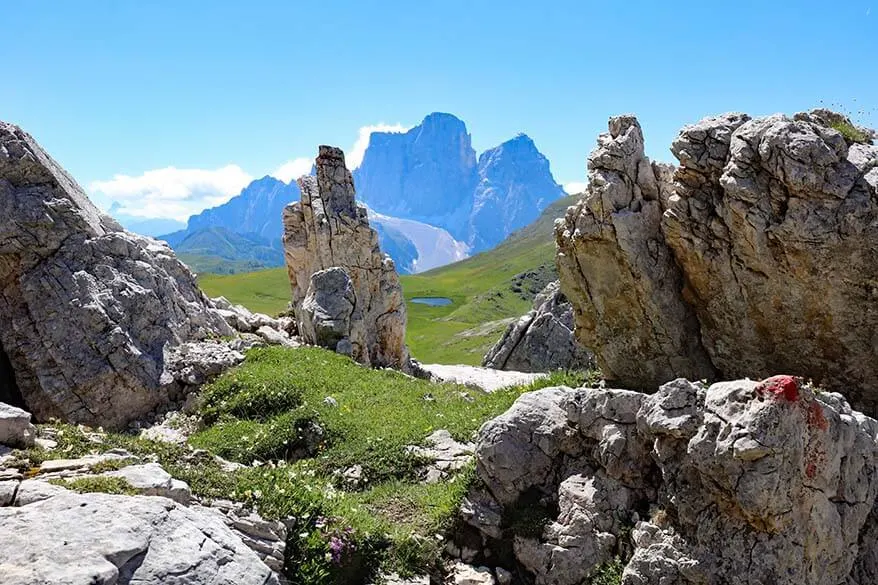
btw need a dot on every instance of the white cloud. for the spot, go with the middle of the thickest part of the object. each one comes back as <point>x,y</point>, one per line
<point>574,187</point>
<point>354,156</point>
<point>172,192</point>
<point>293,169</point>
<point>178,193</point>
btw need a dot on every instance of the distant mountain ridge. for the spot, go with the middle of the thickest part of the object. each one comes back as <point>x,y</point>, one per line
<point>220,250</point>
<point>431,174</point>
<point>430,198</point>
<point>256,210</point>
<point>254,216</point>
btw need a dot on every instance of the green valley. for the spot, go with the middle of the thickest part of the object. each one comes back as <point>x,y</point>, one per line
<point>487,292</point>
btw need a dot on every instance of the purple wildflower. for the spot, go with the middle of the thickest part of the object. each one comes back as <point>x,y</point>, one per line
<point>336,547</point>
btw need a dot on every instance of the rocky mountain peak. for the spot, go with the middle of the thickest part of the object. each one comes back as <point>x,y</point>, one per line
<point>517,156</point>
<point>443,124</point>
<point>514,185</point>
<point>431,174</point>
<point>427,174</point>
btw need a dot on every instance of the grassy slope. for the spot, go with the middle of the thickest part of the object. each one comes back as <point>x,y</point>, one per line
<point>259,411</point>
<point>264,291</point>
<point>480,287</point>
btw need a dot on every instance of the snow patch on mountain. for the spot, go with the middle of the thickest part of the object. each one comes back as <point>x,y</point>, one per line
<point>435,246</point>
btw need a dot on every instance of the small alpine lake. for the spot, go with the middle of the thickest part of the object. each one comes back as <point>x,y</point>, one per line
<point>432,301</point>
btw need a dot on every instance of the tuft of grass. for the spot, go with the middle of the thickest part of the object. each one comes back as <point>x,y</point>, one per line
<point>609,573</point>
<point>851,132</point>
<point>97,483</point>
<point>375,413</point>
<point>110,465</point>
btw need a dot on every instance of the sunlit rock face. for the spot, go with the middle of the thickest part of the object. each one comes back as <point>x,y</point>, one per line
<point>758,254</point>
<point>363,309</point>
<point>87,310</point>
<point>737,483</point>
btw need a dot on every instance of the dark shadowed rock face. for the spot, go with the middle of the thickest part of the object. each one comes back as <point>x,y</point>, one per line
<point>9,392</point>
<point>327,229</point>
<point>87,310</point>
<point>759,255</point>
<point>542,340</point>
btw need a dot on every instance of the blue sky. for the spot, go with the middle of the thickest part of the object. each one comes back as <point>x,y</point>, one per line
<point>189,99</point>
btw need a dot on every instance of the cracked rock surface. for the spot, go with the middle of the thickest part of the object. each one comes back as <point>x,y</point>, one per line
<point>621,276</point>
<point>757,255</point>
<point>738,483</point>
<point>775,223</point>
<point>327,229</point>
<point>142,539</point>
<point>87,310</point>
<point>542,340</point>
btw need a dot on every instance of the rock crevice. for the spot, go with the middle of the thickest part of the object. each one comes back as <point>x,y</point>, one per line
<point>620,275</point>
<point>9,392</point>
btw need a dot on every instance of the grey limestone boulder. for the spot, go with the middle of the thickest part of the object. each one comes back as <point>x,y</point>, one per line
<point>150,479</point>
<point>87,310</point>
<point>16,429</point>
<point>69,538</point>
<point>327,309</point>
<point>326,230</point>
<point>741,482</point>
<point>542,340</point>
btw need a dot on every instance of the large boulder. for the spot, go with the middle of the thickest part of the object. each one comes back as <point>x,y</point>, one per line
<point>542,340</point>
<point>619,274</point>
<point>758,254</point>
<point>66,538</point>
<point>739,483</point>
<point>87,310</point>
<point>325,316</point>
<point>16,429</point>
<point>327,229</point>
<point>774,222</point>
